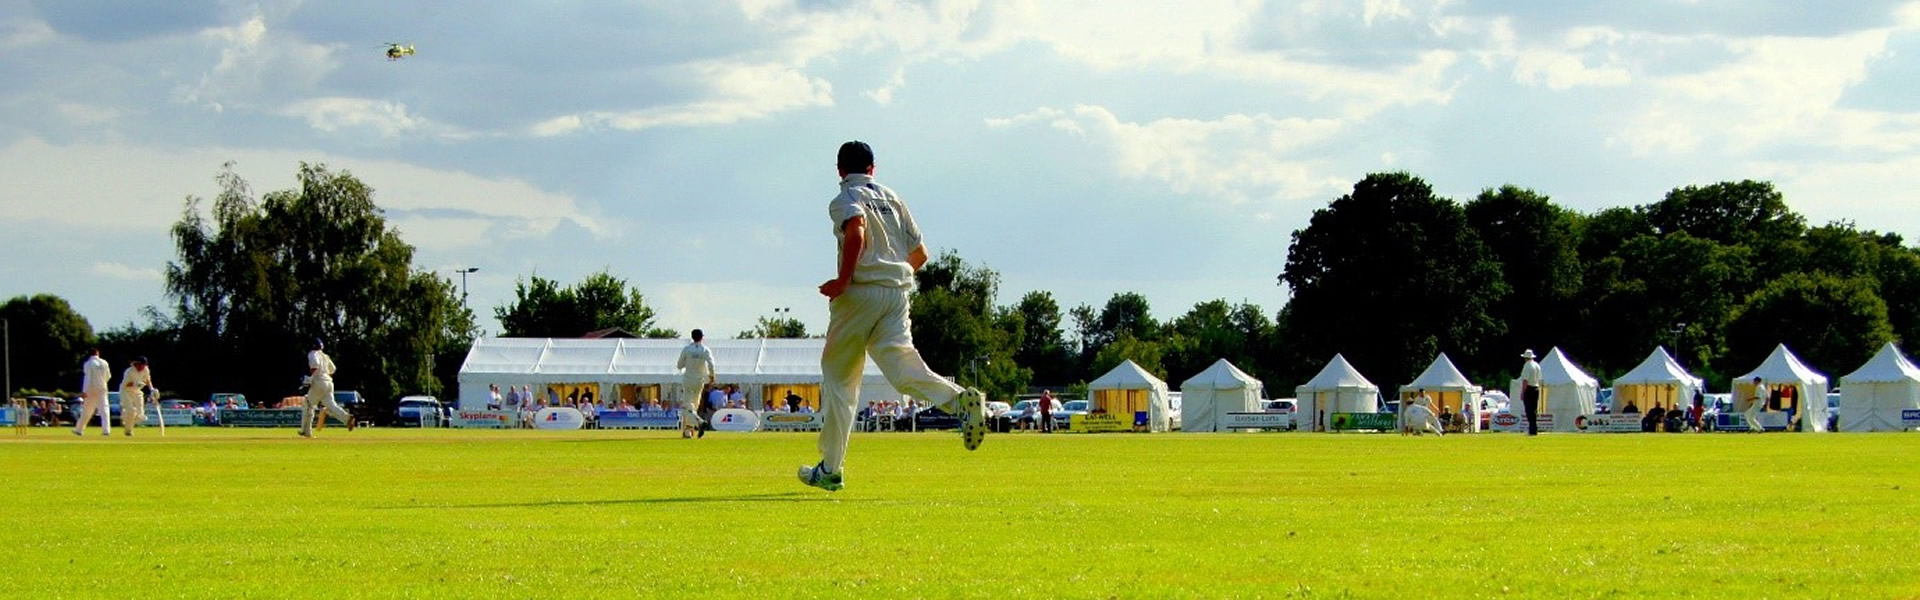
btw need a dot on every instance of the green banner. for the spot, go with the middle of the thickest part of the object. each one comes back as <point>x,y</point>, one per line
<point>278,417</point>
<point>1363,421</point>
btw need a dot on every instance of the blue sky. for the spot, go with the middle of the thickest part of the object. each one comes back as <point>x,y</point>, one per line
<point>1084,148</point>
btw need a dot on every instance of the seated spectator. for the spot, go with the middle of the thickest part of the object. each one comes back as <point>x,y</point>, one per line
<point>1630,409</point>
<point>1676,421</point>
<point>1653,419</point>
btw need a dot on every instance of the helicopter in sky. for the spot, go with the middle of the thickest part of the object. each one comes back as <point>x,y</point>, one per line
<point>397,51</point>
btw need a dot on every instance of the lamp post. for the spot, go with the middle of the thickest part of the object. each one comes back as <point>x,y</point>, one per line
<point>464,272</point>
<point>780,317</point>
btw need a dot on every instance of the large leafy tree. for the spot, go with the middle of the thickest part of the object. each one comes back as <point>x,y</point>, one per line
<point>257,279</point>
<point>542,308</point>
<point>1043,345</point>
<point>959,331</point>
<point>1537,247</point>
<point>1832,323</point>
<point>1213,330</point>
<point>1389,275</point>
<point>48,341</point>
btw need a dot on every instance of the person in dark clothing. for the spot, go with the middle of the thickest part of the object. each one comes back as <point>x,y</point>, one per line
<point>793,402</point>
<point>1530,391</point>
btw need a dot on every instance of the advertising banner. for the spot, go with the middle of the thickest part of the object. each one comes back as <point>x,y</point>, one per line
<point>785,421</point>
<point>1256,420</point>
<point>483,419</point>
<point>7,415</point>
<point>1517,423</point>
<point>263,417</point>
<point>1628,423</point>
<point>181,417</point>
<point>1103,423</point>
<point>640,419</point>
<point>559,417</point>
<point>1910,417</point>
<point>735,419</point>
<point>1363,421</point>
<point>1772,420</point>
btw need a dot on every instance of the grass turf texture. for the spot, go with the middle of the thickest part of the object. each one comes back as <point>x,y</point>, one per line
<point>459,514</point>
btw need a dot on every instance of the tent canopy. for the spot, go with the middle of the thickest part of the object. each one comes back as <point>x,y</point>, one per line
<point>1658,381</point>
<point>1128,389</point>
<point>1566,391</point>
<point>1872,397</point>
<point>1338,388</point>
<point>1443,382</point>
<point>612,362</point>
<point>1220,389</point>
<point>1783,368</point>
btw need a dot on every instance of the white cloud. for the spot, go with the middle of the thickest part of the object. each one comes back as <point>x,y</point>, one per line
<point>883,95</point>
<point>388,119</point>
<point>735,92</point>
<point>1236,158</point>
<point>59,184</point>
<point>80,113</point>
<point>19,33</point>
<point>257,66</point>
<point>116,270</point>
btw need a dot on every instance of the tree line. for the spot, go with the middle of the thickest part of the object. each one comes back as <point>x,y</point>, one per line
<point>1388,274</point>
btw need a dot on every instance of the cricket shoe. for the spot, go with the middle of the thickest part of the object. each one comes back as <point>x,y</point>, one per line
<point>973,417</point>
<point>817,476</point>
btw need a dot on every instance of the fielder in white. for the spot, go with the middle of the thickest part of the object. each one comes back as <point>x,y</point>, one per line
<point>133,396</point>
<point>320,390</point>
<point>1419,416</point>
<point>880,249</point>
<point>94,374</point>
<point>696,372</point>
<point>1759,405</point>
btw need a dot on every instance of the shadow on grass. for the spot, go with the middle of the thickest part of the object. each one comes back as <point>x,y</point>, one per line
<point>781,497</point>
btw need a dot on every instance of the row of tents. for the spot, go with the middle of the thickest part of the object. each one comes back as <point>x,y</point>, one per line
<point>1872,398</point>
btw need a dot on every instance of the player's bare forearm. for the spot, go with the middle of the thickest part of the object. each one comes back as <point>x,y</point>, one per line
<point>918,257</point>
<point>853,241</point>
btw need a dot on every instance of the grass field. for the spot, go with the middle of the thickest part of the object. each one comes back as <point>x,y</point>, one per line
<point>461,514</point>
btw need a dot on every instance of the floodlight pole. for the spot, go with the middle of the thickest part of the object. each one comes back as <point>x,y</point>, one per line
<point>464,271</point>
<point>6,346</point>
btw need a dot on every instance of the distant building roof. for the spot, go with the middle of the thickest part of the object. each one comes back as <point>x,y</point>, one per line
<point>609,333</point>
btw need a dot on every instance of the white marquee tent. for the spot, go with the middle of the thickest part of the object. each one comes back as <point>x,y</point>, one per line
<point>1872,397</point>
<point>1783,368</point>
<point>1658,381</point>
<point>1129,389</point>
<point>1443,382</point>
<point>1338,388</point>
<point>1566,392</point>
<point>1220,389</point>
<point>758,365</point>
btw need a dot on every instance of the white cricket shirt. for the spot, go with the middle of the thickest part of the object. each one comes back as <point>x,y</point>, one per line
<point>136,378</point>
<point>891,233</point>
<point>696,363</point>
<point>94,374</point>
<point>321,366</point>
<point>1530,373</point>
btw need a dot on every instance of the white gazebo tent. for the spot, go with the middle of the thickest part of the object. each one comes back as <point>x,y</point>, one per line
<point>1783,368</point>
<point>1872,397</point>
<point>1128,390</point>
<point>1443,382</point>
<point>613,367</point>
<point>1658,381</point>
<point>1566,392</point>
<point>1338,388</point>
<point>1222,388</point>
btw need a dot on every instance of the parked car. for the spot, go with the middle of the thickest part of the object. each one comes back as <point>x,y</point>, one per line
<point>219,400</point>
<point>1833,411</point>
<point>1284,406</point>
<point>412,409</point>
<point>1063,418</point>
<point>1017,416</point>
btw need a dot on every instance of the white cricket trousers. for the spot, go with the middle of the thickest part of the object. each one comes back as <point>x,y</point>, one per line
<point>870,320</point>
<point>1753,418</point>
<point>320,394</point>
<point>133,407</point>
<point>95,403</point>
<point>1420,418</point>
<point>690,394</point>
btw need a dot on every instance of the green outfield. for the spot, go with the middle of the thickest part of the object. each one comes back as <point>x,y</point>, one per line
<point>510,514</point>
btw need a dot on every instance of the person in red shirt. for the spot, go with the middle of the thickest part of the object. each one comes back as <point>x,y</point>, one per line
<point>1046,411</point>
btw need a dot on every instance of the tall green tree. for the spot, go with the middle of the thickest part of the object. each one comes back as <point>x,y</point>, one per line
<point>775,327</point>
<point>959,331</point>
<point>1043,344</point>
<point>1389,275</point>
<point>1831,323</point>
<point>49,339</point>
<point>1213,330</point>
<point>257,279</point>
<point>542,308</point>
<point>1537,247</point>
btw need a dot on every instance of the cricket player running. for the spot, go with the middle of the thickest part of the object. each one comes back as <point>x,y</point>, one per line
<point>696,373</point>
<point>94,376</point>
<point>880,249</point>
<point>320,390</point>
<point>133,396</point>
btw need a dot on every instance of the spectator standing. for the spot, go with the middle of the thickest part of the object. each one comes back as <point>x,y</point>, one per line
<point>493,397</point>
<point>1046,411</point>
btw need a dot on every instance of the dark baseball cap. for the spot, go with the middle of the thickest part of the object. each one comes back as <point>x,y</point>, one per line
<point>855,156</point>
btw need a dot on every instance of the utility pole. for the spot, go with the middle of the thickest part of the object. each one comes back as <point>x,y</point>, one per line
<point>464,272</point>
